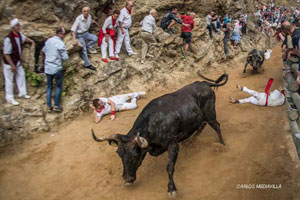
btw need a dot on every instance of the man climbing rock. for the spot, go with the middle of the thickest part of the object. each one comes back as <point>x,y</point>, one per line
<point>187,31</point>
<point>104,106</point>
<point>148,41</point>
<point>169,20</point>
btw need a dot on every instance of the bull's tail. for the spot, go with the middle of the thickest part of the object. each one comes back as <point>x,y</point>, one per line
<point>222,80</point>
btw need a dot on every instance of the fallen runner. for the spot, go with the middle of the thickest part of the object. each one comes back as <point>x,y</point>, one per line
<point>103,106</point>
<point>275,98</point>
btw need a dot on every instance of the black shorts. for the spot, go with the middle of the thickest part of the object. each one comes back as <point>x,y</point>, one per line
<point>187,37</point>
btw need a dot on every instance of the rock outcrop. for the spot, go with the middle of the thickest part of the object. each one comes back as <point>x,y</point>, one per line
<point>81,85</point>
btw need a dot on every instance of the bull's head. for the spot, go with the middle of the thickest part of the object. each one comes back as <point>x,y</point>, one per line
<point>132,151</point>
<point>255,61</point>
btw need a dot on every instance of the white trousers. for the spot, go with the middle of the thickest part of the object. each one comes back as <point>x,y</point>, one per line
<point>258,98</point>
<point>125,38</point>
<point>121,101</point>
<point>110,45</point>
<point>9,76</point>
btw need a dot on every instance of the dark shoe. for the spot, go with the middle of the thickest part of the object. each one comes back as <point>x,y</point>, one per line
<point>58,109</point>
<point>49,109</point>
<point>91,67</point>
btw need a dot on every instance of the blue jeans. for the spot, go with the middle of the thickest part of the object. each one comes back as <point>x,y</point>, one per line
<point>58,76</point>
<point>87,40</point>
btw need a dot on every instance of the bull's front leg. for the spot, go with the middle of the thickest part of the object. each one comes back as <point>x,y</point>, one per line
<point>244,72</point>
<point>173,150</point>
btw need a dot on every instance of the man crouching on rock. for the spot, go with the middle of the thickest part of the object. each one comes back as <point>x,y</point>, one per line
<point>104,106</point>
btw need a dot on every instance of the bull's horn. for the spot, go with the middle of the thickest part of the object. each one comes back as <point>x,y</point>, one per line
<point>260,57</point>
<point>142,142</point>
<point>104,138</point>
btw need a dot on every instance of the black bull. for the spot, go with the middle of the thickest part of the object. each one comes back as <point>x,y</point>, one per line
<point>255,59</point>
<point>165,122</point>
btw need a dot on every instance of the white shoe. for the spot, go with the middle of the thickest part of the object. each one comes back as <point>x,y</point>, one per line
<point>150,56</point>
<point>117,55</point>
<point>140,94</point>
<point>13,102</point>
<point>142,61</point>
<point>24,96</point>
<point>92,50</point>
<point>132,53</point>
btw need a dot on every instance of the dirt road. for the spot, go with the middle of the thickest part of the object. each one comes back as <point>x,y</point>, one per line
<point>68,164</point>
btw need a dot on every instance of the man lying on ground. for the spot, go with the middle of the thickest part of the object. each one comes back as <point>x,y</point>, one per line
<point>275,98</point>
<point>104,106</point>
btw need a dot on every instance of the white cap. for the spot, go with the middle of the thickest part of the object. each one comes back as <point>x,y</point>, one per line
<point>14,22</point>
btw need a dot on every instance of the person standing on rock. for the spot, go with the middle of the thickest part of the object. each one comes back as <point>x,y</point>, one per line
<point>227,30</point>
<point>80,34</point>
<point>210,26</point>
<point>12,66</point>
<point>124,23</point>
<point>148,26</point>
<point>236,35</point>
<point>104,106</point>
<point>106,37</point>
<point>187,31</point>
<point>55,53</point>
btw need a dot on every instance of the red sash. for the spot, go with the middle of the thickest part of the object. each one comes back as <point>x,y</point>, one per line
<point>269,84</point>
<point>110,32</point>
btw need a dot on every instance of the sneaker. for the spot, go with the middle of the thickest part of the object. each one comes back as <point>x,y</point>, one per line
<point>168,31</point>
<point>24,96</point>
<point>13,102</point>
<point>142,61</point>
<point>92,50</point>
<point>58,109</point>
<point>132,53</point>
<point>105,60</point>
<point>91,67</point>
<point>49,109</point>
<point>113,58</point>
<point>117,56</point>
<point>149,55</point>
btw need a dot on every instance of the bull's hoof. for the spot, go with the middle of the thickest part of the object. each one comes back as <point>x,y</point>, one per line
<point>127,184</point>
<point>172,194</point>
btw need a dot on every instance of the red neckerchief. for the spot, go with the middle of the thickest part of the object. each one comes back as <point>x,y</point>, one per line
<point>15,34</point>
<point>129,10</point>
<point>269,84</point>
<point>113,21</point>
<point>99,111</point>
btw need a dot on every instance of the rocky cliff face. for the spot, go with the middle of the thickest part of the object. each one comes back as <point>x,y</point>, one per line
<point>39,20</point>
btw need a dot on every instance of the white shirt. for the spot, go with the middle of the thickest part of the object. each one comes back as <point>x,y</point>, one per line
<point>81,24</point>
<point>8,48</point>
<point>148,24</point>
<point>55,52</point>
<point>124,18</point>
<point>108,24</point>
<point>237,27</point>
<point>208,19</point>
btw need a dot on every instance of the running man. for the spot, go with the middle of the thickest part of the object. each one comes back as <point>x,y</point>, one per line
<point>104,106</point>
